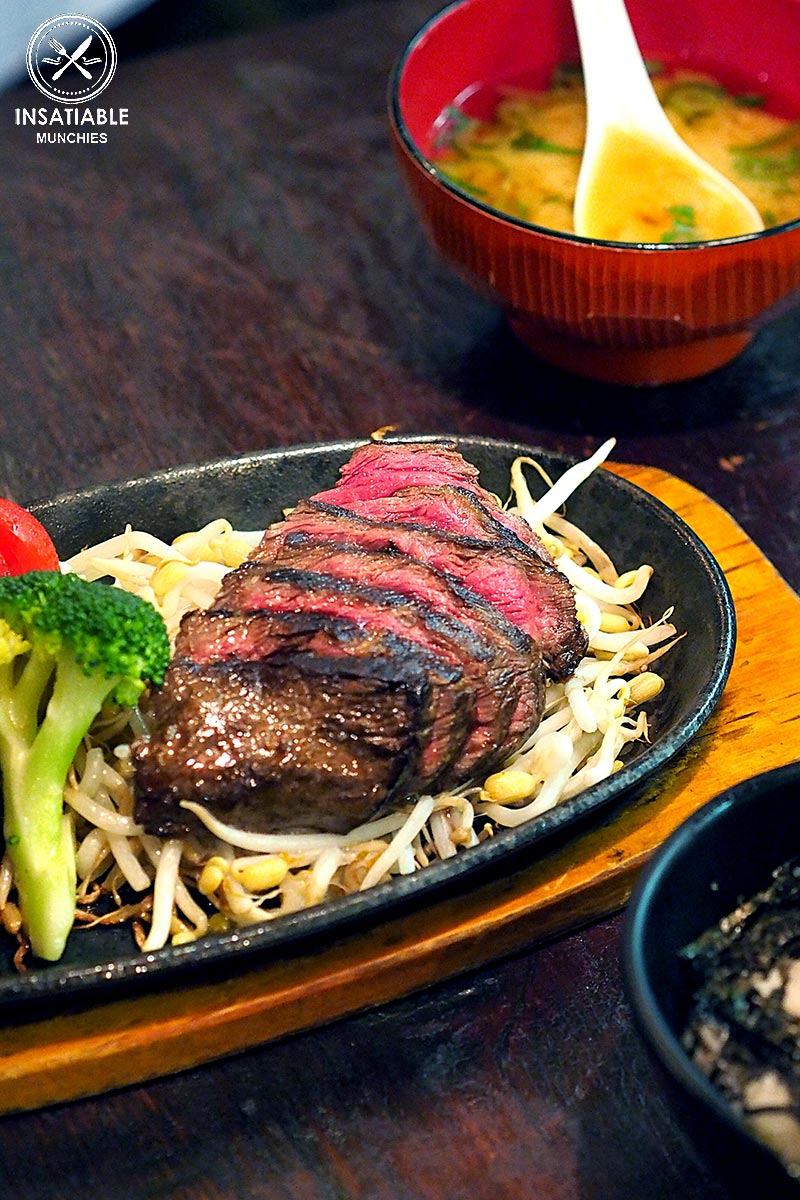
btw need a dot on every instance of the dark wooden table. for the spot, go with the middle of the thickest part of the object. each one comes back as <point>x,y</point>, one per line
<point>236,269</point>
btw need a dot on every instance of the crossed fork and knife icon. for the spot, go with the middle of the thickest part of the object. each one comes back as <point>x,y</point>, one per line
<point>72,59</point>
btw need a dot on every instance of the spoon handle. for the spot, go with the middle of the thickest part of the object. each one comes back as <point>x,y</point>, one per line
<point>618,87</point>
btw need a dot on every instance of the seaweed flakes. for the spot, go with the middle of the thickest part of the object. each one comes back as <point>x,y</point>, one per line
<point>744,1027</point>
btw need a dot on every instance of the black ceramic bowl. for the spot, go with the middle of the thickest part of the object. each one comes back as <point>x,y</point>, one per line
<point>725,853</point>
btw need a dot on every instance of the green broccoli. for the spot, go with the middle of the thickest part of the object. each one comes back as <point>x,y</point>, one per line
<point>67,647</point>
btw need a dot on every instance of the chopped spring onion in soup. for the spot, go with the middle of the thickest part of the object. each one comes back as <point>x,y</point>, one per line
<point>525,160</point>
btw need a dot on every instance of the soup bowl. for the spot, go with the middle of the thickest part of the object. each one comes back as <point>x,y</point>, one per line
<point>619,312</point>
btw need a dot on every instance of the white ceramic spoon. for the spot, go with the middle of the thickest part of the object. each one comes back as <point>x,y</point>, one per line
<point>638,178</point>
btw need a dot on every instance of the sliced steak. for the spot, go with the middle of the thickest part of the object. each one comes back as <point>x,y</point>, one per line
<point>379,470</point>
<point>454,510</point>
<point>287,612</point>
<point>290,741</point>
<point>382,641</point>
<point>488,684</point>
<point>389,568</point>
<point>530,594</point>
<point>436,457</point>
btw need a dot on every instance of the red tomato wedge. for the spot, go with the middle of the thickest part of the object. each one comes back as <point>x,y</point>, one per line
<point>25,544</point>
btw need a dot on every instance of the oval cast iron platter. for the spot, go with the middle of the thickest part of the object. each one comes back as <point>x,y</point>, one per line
<point>251,492</point>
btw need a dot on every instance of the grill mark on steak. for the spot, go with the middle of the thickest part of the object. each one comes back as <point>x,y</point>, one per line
<point>220,635</point>
<point>533,596</point>
<point>295,742</point>
<point>214,635</point>
<point>453,510</point>
<point>489,681</point>
<point>399,572</point>
<point>377,471</point>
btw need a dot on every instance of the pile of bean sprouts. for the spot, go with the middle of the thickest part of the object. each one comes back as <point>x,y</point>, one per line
<point>177,890</point>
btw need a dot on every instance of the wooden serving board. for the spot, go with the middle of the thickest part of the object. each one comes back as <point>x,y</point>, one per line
<point>756,727</point>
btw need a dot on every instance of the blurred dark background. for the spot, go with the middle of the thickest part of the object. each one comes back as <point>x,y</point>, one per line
<point>167,23</point>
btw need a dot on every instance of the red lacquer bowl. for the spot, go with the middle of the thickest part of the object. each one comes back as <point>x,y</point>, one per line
<point>617,312</point>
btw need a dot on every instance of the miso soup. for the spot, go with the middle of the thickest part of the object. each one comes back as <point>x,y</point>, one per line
<point>525,160</point>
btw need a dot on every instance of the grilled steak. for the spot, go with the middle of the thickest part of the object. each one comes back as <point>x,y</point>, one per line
<point>531,594</point>
<point>275,722</point>
<point>517,653</point>
<point>404,459</point>
<point>387,638</point>
<point>489,681</point>
<point>381,469</point>
<point>454,510</point>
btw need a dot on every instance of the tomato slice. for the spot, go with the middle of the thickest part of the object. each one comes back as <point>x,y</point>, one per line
<point>25,544</point>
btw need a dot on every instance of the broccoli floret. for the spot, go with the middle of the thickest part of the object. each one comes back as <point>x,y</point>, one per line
<point>67,647</point>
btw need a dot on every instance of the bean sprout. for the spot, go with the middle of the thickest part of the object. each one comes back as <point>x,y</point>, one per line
<point>168,860</point>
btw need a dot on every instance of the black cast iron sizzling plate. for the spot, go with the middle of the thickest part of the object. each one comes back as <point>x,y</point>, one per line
<point>251,491</point>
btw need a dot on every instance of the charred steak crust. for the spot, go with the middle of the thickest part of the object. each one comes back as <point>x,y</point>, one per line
<point>301,745</point>
<point>488,676</point>
<point>220,636</point>
<point>399,572</point>
<point>215,635</point>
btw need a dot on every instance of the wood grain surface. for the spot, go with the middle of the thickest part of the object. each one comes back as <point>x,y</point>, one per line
<point>237,269</point>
